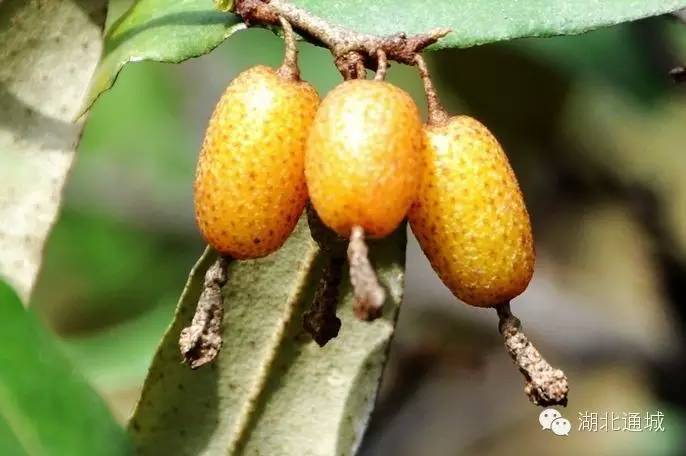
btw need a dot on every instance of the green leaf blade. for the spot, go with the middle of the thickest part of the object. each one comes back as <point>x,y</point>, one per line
<point>476,22</point>
<point>47,408</point>
<point>173,31</point>
<point>163,31</point>
<point>48,51</point>
<point>186,411</point>
<point>272,390</point>
<point>319,399</point>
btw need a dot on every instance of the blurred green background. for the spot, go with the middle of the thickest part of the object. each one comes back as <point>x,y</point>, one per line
<point>595,131</point>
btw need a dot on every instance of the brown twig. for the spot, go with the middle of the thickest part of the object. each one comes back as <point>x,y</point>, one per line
<point>347,46</point>
<point>201,341</point>
<point>545,385</point>
<point>369,294</point>
<point>321,320</point>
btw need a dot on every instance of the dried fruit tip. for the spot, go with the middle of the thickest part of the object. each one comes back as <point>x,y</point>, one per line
<point>545,385</point>
<point>369,294</point>
<point>201,341</point>
<point>320,321</point>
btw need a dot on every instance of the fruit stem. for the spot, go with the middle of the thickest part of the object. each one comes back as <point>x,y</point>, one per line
<point>321,320</point>
<point>289,68</point>
<point>201,341</point>
<point>437,115</point>
<point>369,294</point>
<point>381,65</point>
<point>351,66</point>
<point>545,385</point>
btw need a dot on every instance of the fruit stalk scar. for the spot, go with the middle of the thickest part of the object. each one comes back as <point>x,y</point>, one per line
<point>369,294</point>
<point>201,341</point>
<point>545,385</point>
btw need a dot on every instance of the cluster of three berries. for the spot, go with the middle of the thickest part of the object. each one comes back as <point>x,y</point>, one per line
<point>363,158</point>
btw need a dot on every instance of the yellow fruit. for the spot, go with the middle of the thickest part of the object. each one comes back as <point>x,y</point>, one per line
<point>250,184</point>
<point>470,217</point>
<point>363,157</point>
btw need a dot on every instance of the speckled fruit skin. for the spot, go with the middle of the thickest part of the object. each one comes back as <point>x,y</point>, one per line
<point>250,184</point>
<point>363,157</point>
<point>470,218</point>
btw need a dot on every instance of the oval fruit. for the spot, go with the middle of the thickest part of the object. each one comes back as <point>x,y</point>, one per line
<point>470,218</point>
<point>250,184</point>
<point>363,157</point>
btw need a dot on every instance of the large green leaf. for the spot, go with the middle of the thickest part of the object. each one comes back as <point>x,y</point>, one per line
<point>174,30</point>
<point>163,31</point>
<point>272,390</point>
<point>484,21</point>
<point>48,51</point>
<point>46,408</point>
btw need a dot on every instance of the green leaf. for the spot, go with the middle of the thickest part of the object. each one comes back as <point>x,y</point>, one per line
<point>272,390</point>
<point>173,30</point>
<point>48,50</point>
<point>484,21</point>
<point>163,31</point>
<point>115,10</point>
<point>46,408</point>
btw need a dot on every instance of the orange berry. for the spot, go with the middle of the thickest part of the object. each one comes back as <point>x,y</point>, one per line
<point>470,218</point>
<point>250,184</point>
<point>363,157</point>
